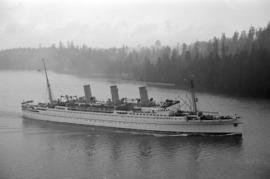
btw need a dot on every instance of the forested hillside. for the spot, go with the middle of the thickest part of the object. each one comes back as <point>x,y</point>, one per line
<point>235,65</point>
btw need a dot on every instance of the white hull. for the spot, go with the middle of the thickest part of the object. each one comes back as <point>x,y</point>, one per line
<point>137,121</point>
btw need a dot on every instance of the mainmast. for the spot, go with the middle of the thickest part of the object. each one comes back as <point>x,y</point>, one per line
<point>193,96</point>
<point>48,83</point>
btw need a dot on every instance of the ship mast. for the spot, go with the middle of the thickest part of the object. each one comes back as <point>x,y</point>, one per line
<point>193,96</point>
<point>48,83</point>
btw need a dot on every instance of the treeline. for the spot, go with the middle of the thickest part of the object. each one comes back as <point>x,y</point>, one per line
<point>236,65</point>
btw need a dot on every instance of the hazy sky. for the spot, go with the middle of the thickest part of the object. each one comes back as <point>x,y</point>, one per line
<point>104,23</point>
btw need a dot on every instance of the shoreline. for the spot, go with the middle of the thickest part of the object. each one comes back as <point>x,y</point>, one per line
<point>149,83</point>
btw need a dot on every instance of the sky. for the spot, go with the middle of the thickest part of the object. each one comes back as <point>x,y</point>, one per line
<point>105,23</point>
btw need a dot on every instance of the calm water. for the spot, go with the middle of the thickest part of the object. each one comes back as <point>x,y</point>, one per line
<point>31,149</point>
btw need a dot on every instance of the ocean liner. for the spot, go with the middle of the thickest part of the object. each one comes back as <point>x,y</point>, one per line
<point>142,114</point>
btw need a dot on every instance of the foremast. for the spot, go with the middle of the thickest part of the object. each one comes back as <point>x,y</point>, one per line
<point>48,83</point>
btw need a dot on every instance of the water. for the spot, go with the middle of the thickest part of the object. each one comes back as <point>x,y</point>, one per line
<point>31,149</point>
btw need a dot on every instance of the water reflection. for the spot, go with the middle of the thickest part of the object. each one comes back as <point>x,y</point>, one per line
<point>110,152</point>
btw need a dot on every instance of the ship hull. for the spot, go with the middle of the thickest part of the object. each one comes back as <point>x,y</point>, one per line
<point>151,123</point>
